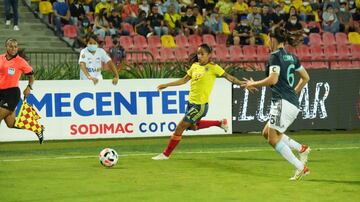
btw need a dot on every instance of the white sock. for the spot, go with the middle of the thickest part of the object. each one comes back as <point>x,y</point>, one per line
<point>291,143</point>
<point>286,152</point>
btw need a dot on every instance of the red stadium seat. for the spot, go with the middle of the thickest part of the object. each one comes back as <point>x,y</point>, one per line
<point>129,28</point>
<point>126,42</point>
<point>330,52</point>
<point>328,39</point>
<point>140,42</point>
<point>221,53</point>
<point>195,40</point>
<point>303,52</point>
<point>70,31</point>
<point>236,53</point>
<point>221,39</point>
<point>341,38</point>
<point>209,39</point>
<point>181,41</point>
<point>167,54</point>
<point>154,41</point>
<point>181,54</point>
<point>315,39</point>
<point>355,54</point>
<point>291,49</point>
<point>317,54</point>
<point>155,52</point>
<point>108,42</point>
<point>262,53</point>
<point>249,52</point>
<point>343,52</point>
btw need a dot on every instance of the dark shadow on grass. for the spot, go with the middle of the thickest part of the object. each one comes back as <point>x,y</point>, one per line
<point>357,182</point>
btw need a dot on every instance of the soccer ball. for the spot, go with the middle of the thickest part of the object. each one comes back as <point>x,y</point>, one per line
<point>108,157</point>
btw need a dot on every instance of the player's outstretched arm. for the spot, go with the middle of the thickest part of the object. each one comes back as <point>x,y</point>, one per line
<point>114,71</point>
<point>178,82</point>
<point>234,80</point>
<point>304,79</point>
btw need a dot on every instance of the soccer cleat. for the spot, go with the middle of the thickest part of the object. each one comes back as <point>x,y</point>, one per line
<point>8,22</point>
<point>300,174</point>
<point>41,135</point>
<point>304,153</point>
<point>16,28</point>
<point>160,157</point>
<point>224,125</point>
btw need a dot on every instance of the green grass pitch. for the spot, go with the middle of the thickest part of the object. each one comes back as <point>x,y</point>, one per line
<point>202,168</point>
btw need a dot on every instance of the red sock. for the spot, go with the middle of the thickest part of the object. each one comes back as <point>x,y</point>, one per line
<point>207,123</point>
<point>174,140</point>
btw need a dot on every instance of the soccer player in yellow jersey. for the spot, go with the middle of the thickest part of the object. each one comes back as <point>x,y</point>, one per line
<point>202,74</point>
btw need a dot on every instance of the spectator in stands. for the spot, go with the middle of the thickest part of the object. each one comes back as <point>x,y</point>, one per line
<point>267,18</point>
<point>156,22</point>
<point>175,3</point>
<point>294,27</point>
<point>173,20</point>
<point>213,23</point>
<point>88,6</point>
<point>292,12</point>
<point>142,26</point>
<point>77,12</point>
<point>199,18</point>
<point>241,8</point>
<point>256,30</point>
<point>14,5</point>
<point>145,6</point>
<point>330,21</point>
<point>103,4</point>
<point>117,54</point>
<point>278,14</point>
<point>210,4</point>
<point>188,22</point>
<point>254,14</point>
<point>83,31</point>
<point>242,34</point>
<point>333,3</point>
<point>345,18</point>
<point>61,15</point>
<point>102,26</point>
<point>306,12</point>
<point>115,19</point>
<point>186,3</point>
<point>225,9</point>
<point>130,12</point>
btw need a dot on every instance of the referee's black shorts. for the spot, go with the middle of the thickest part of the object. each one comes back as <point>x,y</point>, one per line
<point>9,98</point>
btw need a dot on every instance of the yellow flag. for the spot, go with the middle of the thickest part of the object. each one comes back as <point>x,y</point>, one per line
<point>28,118</point>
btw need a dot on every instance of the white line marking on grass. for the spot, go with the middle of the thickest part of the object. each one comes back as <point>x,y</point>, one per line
<point>184,152</point>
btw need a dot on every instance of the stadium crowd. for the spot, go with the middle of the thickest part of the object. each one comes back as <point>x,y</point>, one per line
<point>242,22</point>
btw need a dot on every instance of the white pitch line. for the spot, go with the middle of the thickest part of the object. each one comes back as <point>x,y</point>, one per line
<point>188,152</point>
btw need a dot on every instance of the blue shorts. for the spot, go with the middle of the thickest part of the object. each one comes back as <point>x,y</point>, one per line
<point>195,112</point>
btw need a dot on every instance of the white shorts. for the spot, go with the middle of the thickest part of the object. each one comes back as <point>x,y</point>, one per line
<point>282,114</point>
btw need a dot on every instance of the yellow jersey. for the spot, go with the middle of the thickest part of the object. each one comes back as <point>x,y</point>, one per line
<point>202,81</point>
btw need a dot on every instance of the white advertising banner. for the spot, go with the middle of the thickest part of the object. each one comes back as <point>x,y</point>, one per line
<point>133,108</point>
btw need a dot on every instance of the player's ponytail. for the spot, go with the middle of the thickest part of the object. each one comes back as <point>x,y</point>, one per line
<point>282,35</point>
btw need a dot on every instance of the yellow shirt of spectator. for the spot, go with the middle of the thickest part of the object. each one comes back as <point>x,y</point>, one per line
<point>102,5</point>
<point>171,19</point>
<point>199,20</point>
<point>202,81</point>
<point>296,3</point>
<point>241,7</point>
<point>305,9</point>
<point>225,7</point>
<point>357,3</point>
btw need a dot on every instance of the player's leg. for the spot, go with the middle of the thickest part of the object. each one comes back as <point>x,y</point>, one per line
<point>209,123</point>
<point>10,120</point>
<point>4,113</point>
<point>303,149</point>
<point>174,140</point>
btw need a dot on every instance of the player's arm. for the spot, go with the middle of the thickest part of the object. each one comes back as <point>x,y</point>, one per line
<point>84,69</point>
<point>272,79</point>
<point>304,79</point>
<point>178,82</point>
<point>114,71</point>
